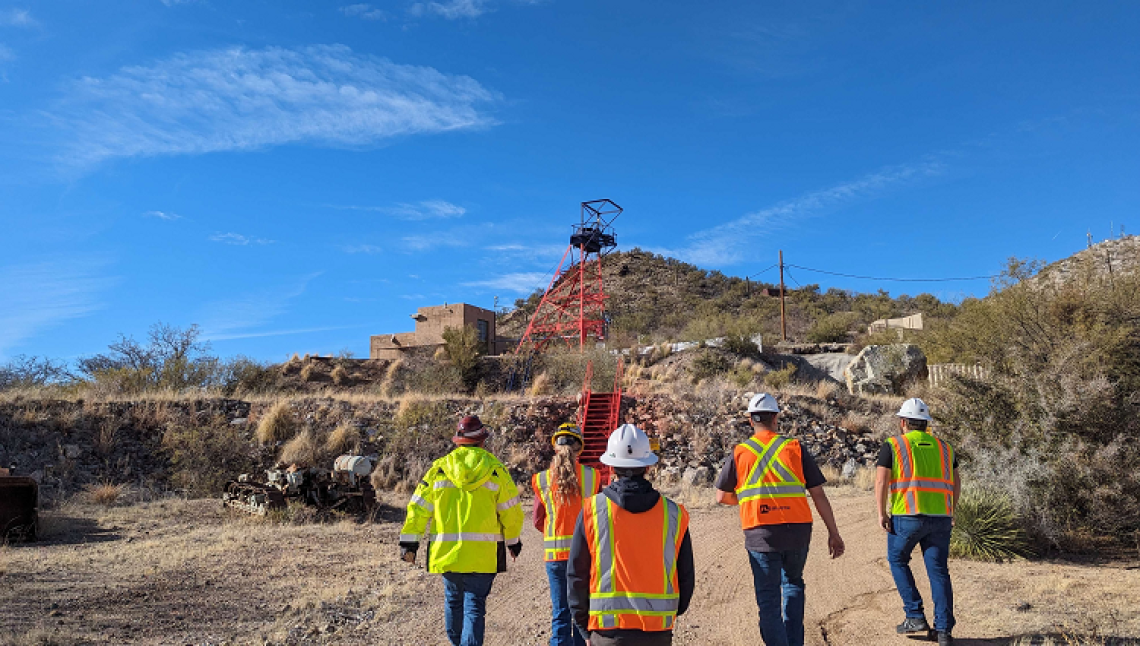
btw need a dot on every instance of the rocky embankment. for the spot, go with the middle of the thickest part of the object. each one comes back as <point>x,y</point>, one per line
<point>194,445</point>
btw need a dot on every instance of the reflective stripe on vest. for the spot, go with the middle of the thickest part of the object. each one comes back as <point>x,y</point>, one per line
<point>556,544</point>
<point>652,606</point>
<point>773,490</point>
<point>922,476</point>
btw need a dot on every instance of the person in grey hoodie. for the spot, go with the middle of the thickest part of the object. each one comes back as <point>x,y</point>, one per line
<point>629,455</point>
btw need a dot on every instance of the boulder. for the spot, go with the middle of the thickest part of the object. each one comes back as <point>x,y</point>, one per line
<point>698,476</point>
<point>849,468</point>
<point>885,369</point>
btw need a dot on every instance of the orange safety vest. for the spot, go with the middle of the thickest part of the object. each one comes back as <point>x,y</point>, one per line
<point>633,564</point>
<point>558,532</point>
<point>770,481</point>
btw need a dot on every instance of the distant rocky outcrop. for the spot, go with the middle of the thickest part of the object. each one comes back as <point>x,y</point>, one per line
<point>1106,259</point>
<point>885,369</point>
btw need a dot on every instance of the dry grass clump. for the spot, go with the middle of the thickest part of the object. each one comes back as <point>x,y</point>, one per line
<point>388,387</point>
<point>277,425</point>
<point>343,439</point>
<point>105,494</point>
<point>541,385</point>
<point>825,389</point>
<point>302,449</point>
<point>855,422</point>
<point>863,479</point>
<point>339,376</point>
<point>308,372</point>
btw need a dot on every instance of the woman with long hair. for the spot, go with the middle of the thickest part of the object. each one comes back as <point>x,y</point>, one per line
<point>558,495</point>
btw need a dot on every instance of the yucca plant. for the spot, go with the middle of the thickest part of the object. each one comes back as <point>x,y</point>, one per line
<point>986,528</point>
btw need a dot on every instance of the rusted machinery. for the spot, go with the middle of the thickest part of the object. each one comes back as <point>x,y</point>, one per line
<point>346,488</point>
<point>19,507</point>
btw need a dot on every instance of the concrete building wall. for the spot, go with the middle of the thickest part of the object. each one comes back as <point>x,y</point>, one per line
<point>912,322</point>
<point>430,324</point>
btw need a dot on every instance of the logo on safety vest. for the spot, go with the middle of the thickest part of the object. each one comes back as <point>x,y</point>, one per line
<point>763,509</point>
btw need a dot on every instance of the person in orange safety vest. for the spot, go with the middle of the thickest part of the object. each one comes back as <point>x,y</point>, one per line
<point>771,477</point>
<point>631,559</point>
<point>558,495</point>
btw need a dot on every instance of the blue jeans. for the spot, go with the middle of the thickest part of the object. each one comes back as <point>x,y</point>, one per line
<point>563,632</point>
<point>466,611</point>
<point>932,533</point>
<point>779,581</point>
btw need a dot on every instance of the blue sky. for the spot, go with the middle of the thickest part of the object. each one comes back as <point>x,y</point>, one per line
<point>296,175</point>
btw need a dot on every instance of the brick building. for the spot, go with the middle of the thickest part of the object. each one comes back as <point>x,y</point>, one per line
<point>430,324</point>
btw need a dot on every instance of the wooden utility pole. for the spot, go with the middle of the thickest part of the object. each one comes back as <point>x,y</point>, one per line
<point>783,314</point>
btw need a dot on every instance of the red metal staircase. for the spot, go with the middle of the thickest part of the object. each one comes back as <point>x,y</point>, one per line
<point>598,416</point>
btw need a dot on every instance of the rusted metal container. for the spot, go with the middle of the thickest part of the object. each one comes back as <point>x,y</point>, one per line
<point>19,508</point>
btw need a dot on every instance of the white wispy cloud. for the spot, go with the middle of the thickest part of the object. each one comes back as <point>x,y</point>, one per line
<point>37,296</point>
<point>437,240</point>
<point>520,282</point>
<point>363,248</point>
<point>413,297</point>
<point>424,210</point>
<point>238,239</point>
<point>174,3</point>
<point>266,333</point>
<point>242,315</point>
<point>730,242</point>
<point>162,215</point>
<point>364,11</point>
<point>17,18</point>
<point>246,99</point>
<point>451,10</point>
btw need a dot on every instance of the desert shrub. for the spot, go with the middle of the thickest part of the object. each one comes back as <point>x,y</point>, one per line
<point>777,379</point>
<point>277,424</point>
<point>742,345</point>
<point>986,527</point>
<point>832,328</point>
<point>105,493</point>
<point>566,369</point>
<point>29,372</point>
<point>463,350</point>
<point>709,363</point>
<point>303,448</point>
<point>391,386</point>
<point>203,458</point>
<point>339,375</point>
<point>170,358</point>
<point>344,438</point>
<point>435,378</point>
<point>742,374</point>
<point>541,385</point>
<point>1053,425</point>
<point>242,375</point>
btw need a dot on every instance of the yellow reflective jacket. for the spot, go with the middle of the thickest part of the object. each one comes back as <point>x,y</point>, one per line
<point>473,506</point>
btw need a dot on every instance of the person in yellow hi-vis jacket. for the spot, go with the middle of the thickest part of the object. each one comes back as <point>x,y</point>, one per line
<point>473,506</point>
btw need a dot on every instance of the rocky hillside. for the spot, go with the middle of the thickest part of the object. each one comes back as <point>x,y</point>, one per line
<point>660,298</point>
<point>195,445</point>
<point>1118,256</point>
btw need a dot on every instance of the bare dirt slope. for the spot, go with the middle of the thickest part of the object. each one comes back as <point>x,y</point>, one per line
<point>184,573</point>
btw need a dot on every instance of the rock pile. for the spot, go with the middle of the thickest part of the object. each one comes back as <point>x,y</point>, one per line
<point>885,369</point>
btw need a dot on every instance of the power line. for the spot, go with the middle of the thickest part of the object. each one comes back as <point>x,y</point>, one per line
<point>793,277</point>
<point>901,280</point>
<point>763,271</point>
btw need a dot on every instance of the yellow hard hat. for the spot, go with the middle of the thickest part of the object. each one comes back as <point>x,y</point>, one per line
<point>569,429</point>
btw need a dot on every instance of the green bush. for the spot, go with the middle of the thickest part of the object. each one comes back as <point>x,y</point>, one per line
<point>463,350</point>
<point>832,328</point>
<point>203,458</point>
<point>709,363</point>
<point>778,379</point>
<point>742,345</point>
<point>986,527</point>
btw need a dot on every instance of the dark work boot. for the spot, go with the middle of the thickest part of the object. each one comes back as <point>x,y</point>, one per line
<point>913,625</point>
<point>944,638</point>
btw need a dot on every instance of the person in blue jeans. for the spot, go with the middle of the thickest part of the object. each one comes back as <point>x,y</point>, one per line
<point>771,477</point>
<point>465,596</point>
<point>916,489</point>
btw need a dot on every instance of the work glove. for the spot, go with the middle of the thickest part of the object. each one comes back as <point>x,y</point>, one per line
<point>515,549</point>
<point>408,551</point>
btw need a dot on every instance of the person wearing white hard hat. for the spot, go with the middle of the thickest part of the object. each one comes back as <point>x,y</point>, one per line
<point>771,477</point>
<point>917,474</point>
<point>631,559</point>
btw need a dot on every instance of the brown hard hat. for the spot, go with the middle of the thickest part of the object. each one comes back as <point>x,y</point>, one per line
<point>470,430</point>
<point>469,424</point>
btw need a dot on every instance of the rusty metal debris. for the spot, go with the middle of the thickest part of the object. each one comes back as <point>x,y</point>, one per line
<point>345,488</point>
<point>19,507</point>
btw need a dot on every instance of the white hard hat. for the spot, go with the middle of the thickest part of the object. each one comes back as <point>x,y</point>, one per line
<point>763,403</point>
<point>915,408</point>
<point>629,447</point>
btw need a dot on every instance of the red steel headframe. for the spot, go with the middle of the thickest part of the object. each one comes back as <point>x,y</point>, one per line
<point>573,307</point>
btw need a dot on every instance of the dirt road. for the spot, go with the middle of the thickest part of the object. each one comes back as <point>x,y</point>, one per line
<point>186,573</point>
